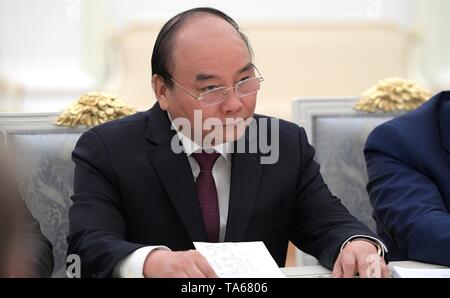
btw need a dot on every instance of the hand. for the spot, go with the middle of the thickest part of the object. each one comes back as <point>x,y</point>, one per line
<point>360,257</point>
<point>178,264</point>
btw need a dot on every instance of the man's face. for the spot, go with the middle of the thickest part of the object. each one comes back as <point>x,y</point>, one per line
<point>209,53</point>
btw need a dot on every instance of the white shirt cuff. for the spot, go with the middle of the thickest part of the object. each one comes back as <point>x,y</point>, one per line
<point>132,265</point>
<point>383,247</point>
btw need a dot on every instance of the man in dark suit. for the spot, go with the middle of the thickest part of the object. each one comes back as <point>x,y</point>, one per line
<point>139,204</point>
<point>408,161</point>
<point>24,251</point>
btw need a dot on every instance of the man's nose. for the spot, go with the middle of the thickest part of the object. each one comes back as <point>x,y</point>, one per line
<point>232,103</point>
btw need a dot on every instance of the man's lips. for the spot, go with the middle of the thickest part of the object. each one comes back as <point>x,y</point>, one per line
<point>234,123</point>
<point>238,122</point>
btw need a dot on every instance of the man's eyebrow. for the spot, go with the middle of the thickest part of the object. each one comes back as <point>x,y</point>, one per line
<point>247,67</point>
<point>205,77</point>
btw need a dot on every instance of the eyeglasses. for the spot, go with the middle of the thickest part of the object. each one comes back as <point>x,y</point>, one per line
<point>217,95</point>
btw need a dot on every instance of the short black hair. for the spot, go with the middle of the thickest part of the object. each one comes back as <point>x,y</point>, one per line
<point>162,49</point>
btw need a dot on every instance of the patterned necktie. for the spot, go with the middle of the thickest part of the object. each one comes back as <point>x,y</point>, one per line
<point>207,194</point>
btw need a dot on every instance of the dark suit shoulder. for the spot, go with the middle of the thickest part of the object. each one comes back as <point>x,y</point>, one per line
<point>291,140</point>
<point>286,127</point>
<point>138,119</point>
<point>120,129</point>
<point>421,120</point>
<point>409,136</point>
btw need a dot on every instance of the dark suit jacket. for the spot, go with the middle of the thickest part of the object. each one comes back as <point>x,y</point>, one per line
<point>408,162</point>
<point>32,253</point>
<point>131,190</point>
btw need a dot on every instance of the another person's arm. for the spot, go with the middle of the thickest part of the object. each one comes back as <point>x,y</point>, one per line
<point>36,259</point>
<point>406,201</point>
<point>24,251</point>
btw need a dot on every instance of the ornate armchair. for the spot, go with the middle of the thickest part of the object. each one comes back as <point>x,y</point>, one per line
<point>339,132</point>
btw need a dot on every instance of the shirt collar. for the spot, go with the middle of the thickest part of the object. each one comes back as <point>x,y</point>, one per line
<point>190,146</point>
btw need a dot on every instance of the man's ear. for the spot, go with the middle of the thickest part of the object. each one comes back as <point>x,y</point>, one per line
<point>160,89</point>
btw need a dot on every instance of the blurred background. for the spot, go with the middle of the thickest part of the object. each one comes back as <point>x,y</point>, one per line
<point>52,51</point>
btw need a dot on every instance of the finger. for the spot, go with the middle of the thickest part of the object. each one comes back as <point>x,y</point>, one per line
<point>179,274</point>
<point>338,272</point>
<point>385,270</point>
<point>337,268</point>
<point>375,266</point>
<point>205,267</point>
<point>349,265</point>
<point>194,272</point>
<point>363,267</point>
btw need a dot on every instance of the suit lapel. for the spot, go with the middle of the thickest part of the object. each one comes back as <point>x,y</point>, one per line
<point>176,176</point>
<point>245,177</point>
<point>175,173</point>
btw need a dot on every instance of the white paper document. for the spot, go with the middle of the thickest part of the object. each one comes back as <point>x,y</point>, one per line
<point>401,272</point>
<point>240,259</point>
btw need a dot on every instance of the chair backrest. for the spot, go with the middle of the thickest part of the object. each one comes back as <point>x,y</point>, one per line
<point>42,154</point>
<point>292,57</point>
<point>339,133</point>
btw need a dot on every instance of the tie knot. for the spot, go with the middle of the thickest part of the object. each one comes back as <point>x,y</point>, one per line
<point>206,160</point>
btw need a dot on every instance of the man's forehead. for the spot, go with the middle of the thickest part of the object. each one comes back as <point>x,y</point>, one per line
<point>204,22</point>
<point>209,42</point>
<point>205,29</point>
